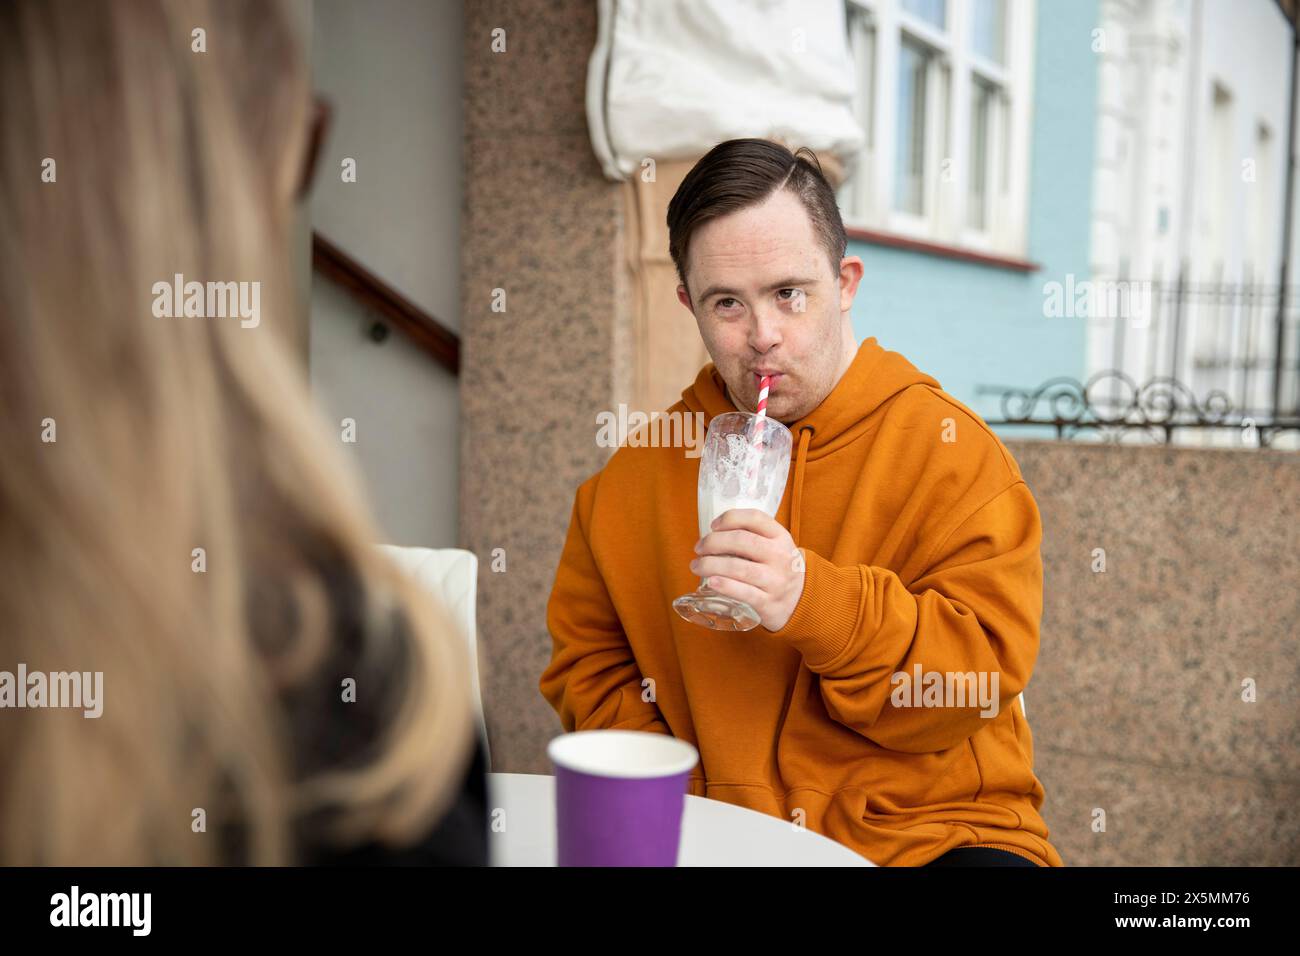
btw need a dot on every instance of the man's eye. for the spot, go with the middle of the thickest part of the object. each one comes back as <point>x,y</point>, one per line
<point>793,294</point>
<point>722,303</point>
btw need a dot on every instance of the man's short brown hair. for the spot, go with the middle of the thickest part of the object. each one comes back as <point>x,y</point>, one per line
<point>741,173</point>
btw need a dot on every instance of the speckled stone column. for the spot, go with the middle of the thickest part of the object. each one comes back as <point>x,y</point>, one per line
<point>544,226</point>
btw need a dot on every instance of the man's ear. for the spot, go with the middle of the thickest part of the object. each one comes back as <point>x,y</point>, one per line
<point>684,298</point>
<point>851,270</point>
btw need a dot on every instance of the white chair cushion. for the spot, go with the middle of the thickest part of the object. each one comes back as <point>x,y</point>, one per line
<point>451,576</point>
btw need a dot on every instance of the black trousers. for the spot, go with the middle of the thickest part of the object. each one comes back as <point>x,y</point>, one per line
<point>980,856</point>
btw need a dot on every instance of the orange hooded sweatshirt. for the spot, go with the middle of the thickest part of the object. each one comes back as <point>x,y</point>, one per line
<point>922,573</point>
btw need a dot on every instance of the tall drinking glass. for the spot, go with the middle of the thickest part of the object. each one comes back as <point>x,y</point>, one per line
<point>744,465</point>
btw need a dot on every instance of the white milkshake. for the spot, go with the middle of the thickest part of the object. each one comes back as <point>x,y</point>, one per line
<point>737,481</point>
<point>712,503</point>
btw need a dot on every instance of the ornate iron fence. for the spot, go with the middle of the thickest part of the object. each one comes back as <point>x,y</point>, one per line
<point>1156,409</point>
<point>1183,356</point>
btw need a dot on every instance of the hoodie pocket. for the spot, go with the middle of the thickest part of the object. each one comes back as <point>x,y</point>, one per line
<point>1004,759</point>
<point>898,782</point>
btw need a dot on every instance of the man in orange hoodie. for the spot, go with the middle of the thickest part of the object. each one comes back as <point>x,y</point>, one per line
<point>899,586</point>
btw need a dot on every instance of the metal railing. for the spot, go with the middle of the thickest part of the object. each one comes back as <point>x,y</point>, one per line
<point>1182,355</point>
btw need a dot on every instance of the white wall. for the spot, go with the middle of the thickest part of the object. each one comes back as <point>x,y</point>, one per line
<point>1247,48</point>
<point>1177,179</point>
<point>392,71</point>
<point>1155,144</point>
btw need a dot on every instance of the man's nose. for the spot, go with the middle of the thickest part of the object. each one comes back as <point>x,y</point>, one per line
<point>766,329</point>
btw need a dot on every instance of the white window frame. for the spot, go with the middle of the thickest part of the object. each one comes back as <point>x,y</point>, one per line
<point>857,193</point>
<point>867,199</point>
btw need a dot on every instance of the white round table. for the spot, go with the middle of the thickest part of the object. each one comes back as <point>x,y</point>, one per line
<point>713,833</point>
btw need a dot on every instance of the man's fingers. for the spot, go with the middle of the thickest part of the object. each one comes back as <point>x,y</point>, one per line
<point>739,590</point>
<point>738,569</point>
<point>750,519</point>
<point>742,543</point>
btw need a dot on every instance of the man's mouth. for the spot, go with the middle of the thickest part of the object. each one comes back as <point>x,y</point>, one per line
<point>775,377</point>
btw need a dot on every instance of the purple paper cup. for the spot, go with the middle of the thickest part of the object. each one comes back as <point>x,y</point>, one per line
<point>619,796</point>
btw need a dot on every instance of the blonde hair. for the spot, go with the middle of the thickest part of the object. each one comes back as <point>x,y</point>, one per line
<point>173,434</point>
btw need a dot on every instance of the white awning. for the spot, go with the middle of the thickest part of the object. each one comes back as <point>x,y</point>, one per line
<point>669,79</point>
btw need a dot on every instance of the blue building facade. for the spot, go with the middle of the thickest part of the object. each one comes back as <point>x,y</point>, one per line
<point>972,324</point>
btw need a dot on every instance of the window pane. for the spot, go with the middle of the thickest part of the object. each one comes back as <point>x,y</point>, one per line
<point>987,17</point>
<point>931,11</point>
<point>855,193</point>
<point>909,161</point>
<point>862,48</point>
<point>980,109</point>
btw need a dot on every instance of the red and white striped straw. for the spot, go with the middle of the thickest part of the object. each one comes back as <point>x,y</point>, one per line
<point>762,407</point>
<point>762,411</point>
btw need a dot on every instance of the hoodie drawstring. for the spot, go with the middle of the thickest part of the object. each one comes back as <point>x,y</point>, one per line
<point>805,434</point>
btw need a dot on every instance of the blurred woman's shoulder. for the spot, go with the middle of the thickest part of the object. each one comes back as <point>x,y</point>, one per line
<point>338,718</point>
